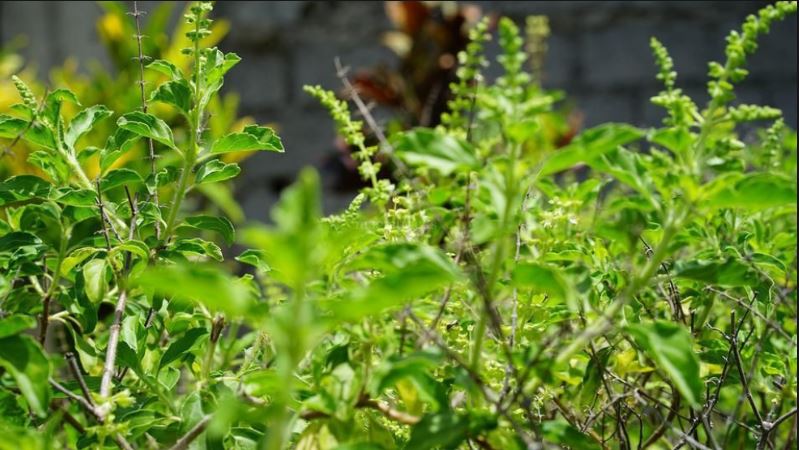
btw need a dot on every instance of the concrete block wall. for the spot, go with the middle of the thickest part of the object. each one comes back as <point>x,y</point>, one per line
<point>599,54</point>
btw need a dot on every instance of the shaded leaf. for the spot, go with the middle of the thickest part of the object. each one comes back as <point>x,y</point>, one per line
<point>26,362</point>
<point>181,346</point>
<point>23,187</point>
<point>15,324</point>
<point>731,272</point>
<point>561,432</point>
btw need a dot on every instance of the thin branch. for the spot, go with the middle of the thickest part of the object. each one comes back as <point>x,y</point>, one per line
<point>341,72</point>
<point>80,400</point>
<point>137,14</point>
<point>783,418</point>
<point>192,434</point>
<point>119,311</point>
<point>365,402</point>
<point>106,222</point>
<point>113,342</point>
<point>72,362</point>
<point>739,365</point>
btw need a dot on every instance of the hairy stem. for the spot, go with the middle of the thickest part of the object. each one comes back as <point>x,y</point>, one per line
<point>137,14</point>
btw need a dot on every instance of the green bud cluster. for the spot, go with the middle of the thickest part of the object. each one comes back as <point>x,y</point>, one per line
<point>680,107</point>
<point>748,113</point>
<point>471,61</point>
<point>512,59</point>
<point>28,99</point>
<point>351,131</point>
<point>772,144</point>
<point>537,31</point>
<point>202,25</point>
<point>739,45</point>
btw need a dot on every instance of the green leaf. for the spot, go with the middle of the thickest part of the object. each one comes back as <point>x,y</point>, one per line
<point>670,346</point>
<point>147,125</point>
<point>128,358</point>
<point>441,152</point>
<point>120,177</point>
<point>562,433</point>
<point>180,347</point>
<point>409,272</point>
<point>215,170</point>
<point>202,283</point>
<point>83,122</point>
<point>166,68</point>
<point>220,225</point>
<point>134,247</point>
<point>217,64</point>
<point>751,191</point>
<point>94,275</point>
<point>75,197</point>
<point>447,430</point>
<point>21,245</point>
<point>677,139</point>
<point>23,187</point>
<point>37,134</point>
<point>120,142</point>
<point>252,138</point>
<point>417,368</point>
<point>76,257</point>
<point>732,272</point>
<point>592,379</point>
<point>26,362</point>
<point>176,93</point>
<point>197,246</point>
<point>590,144</point>
<point>15,324</point>
<point>254,258</point>
<point>542,278</point>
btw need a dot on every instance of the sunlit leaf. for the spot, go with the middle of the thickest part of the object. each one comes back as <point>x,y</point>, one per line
<point>252,138</point>
<point>441,152</point>
<point>147,125</point>
<point>671,347</point>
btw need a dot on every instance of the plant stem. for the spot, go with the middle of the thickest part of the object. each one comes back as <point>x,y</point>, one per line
<point>136,15</point>
<point>45,318</point>
<point>190,157</point>
<point>113,342</point>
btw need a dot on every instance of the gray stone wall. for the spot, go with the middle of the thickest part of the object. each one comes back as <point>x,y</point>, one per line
<point>599,54</point>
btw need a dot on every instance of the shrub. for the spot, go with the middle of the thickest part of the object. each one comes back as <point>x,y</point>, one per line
<point>634,289</point>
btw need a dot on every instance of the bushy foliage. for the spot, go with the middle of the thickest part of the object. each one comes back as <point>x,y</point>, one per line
<point>634,289</point>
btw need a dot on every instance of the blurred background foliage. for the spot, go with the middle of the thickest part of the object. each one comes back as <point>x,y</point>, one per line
<point>118,90</point>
